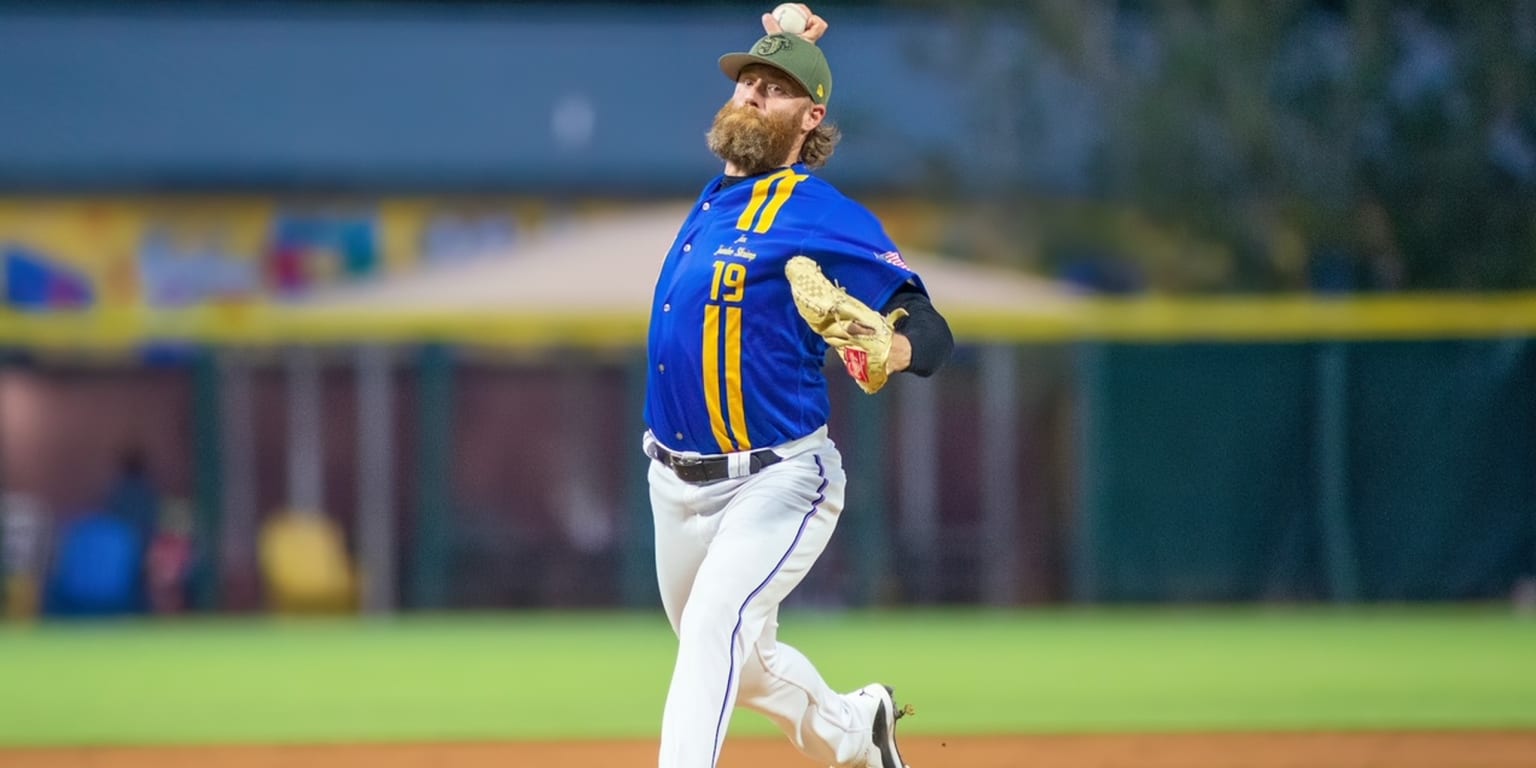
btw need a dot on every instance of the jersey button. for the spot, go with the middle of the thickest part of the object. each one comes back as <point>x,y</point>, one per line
<point>706,206</point>
<point>687,247</point>
<point>662,367</point>
<point>679,435</point>
<point>666,307</point>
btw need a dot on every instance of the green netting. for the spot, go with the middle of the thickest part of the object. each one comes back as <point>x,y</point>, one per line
<point>1203,476</point>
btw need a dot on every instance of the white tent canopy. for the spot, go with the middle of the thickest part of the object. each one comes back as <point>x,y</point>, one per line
<point>608,263</point>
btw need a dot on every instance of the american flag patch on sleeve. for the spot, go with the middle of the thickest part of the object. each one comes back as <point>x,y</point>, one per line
<point>895,258</point>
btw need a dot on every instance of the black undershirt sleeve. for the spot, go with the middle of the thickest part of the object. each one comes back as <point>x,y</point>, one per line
<point>924,327</point>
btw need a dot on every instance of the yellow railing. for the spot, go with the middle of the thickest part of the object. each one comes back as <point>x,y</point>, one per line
<point>1284,318</point>
<point>1429,316</point>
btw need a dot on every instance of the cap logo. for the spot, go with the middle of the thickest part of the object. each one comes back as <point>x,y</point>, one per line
<point>821,93</point>
<point>768,46</point>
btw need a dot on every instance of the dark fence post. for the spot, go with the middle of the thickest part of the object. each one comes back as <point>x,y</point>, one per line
<point>434,467</point>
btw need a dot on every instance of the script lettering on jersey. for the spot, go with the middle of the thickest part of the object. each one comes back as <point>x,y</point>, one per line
<point>737,252</point>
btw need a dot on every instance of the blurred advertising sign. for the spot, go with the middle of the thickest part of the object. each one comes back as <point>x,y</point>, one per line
<point>34,281</point>
<point>191,252</point>
<point>63,254</point>
<point>76,253</point>
<point>68,254</point>
<point>310,247</point>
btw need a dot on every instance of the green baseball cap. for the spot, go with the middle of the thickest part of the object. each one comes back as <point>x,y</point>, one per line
<point>792,54</point>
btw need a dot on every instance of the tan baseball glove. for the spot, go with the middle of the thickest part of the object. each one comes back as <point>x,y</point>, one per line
<point>861,336</point>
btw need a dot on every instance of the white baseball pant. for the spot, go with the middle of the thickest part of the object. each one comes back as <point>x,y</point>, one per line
<point>727,554</point>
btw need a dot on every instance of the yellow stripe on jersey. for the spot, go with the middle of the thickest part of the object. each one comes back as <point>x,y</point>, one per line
<point>711,357</point>
<point>780,197</point>
<point>733,378</point>
<point>759,196</point>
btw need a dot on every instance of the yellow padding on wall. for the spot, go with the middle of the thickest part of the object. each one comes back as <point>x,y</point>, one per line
<point>1284,318</point>
<point>305,566</point>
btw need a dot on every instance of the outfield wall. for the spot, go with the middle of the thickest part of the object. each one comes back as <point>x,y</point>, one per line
<point>1214,459</point>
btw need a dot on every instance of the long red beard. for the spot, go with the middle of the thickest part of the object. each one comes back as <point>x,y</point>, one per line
<point>753,141</point>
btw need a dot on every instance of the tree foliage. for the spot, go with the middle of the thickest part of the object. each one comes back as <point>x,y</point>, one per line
<point>1352,145</point>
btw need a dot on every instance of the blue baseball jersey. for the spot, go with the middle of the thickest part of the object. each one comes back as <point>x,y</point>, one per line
<point>733,366</point>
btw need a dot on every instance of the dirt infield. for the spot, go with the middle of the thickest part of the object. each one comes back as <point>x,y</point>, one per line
<point>1353,750</point>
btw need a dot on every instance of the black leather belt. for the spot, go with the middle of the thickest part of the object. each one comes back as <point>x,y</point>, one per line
<point>709,469</point>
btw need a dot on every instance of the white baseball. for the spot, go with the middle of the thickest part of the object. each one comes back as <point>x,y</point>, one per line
<point>791,19</point>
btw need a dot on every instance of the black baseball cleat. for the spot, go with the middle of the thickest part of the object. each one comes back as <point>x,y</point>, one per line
<point>883,734</point>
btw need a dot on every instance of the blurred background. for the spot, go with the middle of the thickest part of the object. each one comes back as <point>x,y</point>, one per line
<point>339,306</point>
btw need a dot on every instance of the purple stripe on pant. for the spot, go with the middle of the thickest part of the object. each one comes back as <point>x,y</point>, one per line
<point>730,678</point>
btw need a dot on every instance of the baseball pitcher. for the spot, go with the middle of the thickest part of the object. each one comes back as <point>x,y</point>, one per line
<point>771,267</point>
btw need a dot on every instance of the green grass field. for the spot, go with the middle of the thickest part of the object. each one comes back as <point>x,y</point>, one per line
<point>522,676</point>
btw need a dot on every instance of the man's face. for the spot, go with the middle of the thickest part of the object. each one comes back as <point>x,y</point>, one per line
<point>764,122</point>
